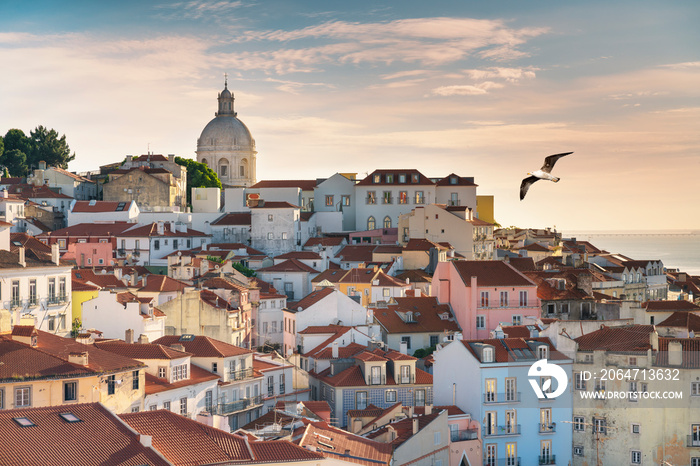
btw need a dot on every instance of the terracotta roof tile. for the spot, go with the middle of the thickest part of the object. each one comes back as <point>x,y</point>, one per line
<point>670,306</point>
<point>341,445</point>
<point>328,241</point>
<point>234,218</point>
<point>633,338</point>
<point>490,273</point>
<point>197,375</point>
<point>313,298</point>
<point>290,265</point>
<point>300,255</point>
<point>141,351</point>
<point>203,347</point>
<point>304,185</point>
<point>690,352</point>
<point>160,284</point>
<point>686,320</point>
<point>422,180</point>
<point>427,314</point>
<point>274,205</point>
<point>53,441</point>
<point>100,206</point>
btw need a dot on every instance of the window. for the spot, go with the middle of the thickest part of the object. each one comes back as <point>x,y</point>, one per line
<point>376,375</point>
<point>215,367</point>
<point>490,390</point>
<point>633,362</point>
<point>632,396</point>
<point>523,298</point>
<point>484,299</point>
<point>634,428</point>
<point>406,340</point>
<point>578,450</point>
<point>183,406</point>
<point>490,457</point>
<point>51,323</point>
<point>371,197</point>
<point>579,383</point>
<point>517,319</point>
<point>511,389</point>
<point>153,407</point>
<point>480,322</point>
<point>419,398</point>
<point>405,374</point>
<point>371,223</point>
<point>695,461</point>
<point>162,372</point>
<point>403,197</point>
<point>600,425</point>
<point>270,385</point>
<point>636,457</point>
<point>377,178</point>
<point>579,424</point>
<point>135,380</point>
<point>551,308</point>
<point>223,169</point>
<point>111,384</point>
<point>390,396</point>
<point>695,389</point>
<point>345,200</point>
<point>386,197</point>
<point>156,244</point>
<point>329,200</point>
<point>433,340</point>
<point>269,217</point>
<point>565,308</point>
<point>15,293</point>
<point>32,291</point>
<point>599,385</point>
<point>360,400</point>
<point>542,351</point>
<point>208,400</point>
<point>387,222</point>
<point>166,405</point>
<point>282,387</point>
<point>419,197</point>
<point>70,391</point>
<point>23,397</point>
<point>504,299</point>
<point>415,178</point>
<point>546,382</point>
<point>180,372</point>
<point>487,355</point>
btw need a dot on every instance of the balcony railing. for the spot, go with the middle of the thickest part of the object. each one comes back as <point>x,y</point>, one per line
<point>371,200</point>
<point>496,304</point>
<point>548,459</point>
<point>512,461</point>
<point>498,431</point>
<point>282,388</point>
<point>693,440</point>
<point>241,374</point>
<point>15,303</point>
<point>462,435</point>
<point>547,428</point>
<point>56,299</point>
<point>508,397</point>
<point>224,409</point>
<point>387,200</point>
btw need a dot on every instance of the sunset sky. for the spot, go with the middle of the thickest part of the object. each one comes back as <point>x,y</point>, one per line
<point>482,89</point>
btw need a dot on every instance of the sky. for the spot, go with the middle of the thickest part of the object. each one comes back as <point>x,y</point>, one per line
<point>482,89</point>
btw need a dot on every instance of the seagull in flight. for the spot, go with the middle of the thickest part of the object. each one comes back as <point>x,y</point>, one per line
<point>541,174</point>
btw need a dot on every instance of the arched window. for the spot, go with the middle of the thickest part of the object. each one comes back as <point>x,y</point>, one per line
<point>387,222</point>
<point>371,223</point>
<point>223,168</point>
<point>624,278</point>
<point>204,161</point>
<point>243,169</point>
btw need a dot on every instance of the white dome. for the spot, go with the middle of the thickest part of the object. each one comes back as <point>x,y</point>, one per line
<point>227,131</point>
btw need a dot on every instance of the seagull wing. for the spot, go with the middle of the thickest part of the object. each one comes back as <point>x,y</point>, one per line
<point>551,160</point>
<point>525,185</point>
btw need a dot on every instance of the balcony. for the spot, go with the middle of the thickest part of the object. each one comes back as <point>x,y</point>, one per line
<point>547,428</point>
<point>121,252</point>
<point>56,299</point>
<point>512,461</point>
<point>548,459</point>
<point>495,398</point>
<point>371,200</point>
<point>15,303</point>
<point>224,409</point>
<point>693,440</point>
<point>515,306</point>
<point>241,374</point>
<point>387,200</point>
<point>462,435</point>
<point>501,431</point>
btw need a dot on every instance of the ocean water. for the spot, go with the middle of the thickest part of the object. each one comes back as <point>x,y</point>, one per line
<point>676,248</point>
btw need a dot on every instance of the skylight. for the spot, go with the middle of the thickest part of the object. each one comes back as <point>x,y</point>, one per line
<point>23,421</point>
<point>70,417</point>
<point>187,337</point>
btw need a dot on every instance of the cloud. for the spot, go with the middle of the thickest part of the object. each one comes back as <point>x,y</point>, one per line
<point>478,89</point>
<point>404,74</point>
<point>292,87</point>
<point>197,9</point>
<point>508,74</point>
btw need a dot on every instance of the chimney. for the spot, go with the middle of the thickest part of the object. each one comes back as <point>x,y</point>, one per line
<point>129,336</point>
<point>171,158</point>
<point>173,229</point>
<point>415,425</point>
<point>675,353</point>
<point>55,257</point>
<point>160,228</point>
<point>428,409</point>
<point>22,259</point>
<point>42,165</point>
<point>403,347</point>
<point>129,158</point>
<point>146,440</point>
<point>143,339</point>
<point>178,347</point>
<point>334,350</point>
<point>80,358</point>
<point>4,193</point>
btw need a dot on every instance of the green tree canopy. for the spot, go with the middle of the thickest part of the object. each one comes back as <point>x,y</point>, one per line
<point>198,176</point>
<point>23,153</point>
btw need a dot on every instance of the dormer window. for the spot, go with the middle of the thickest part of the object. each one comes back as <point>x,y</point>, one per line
<point>487,355</point>
<point>389,178</point>
<point>415,178</point>
<point>402,178</point>
<point>453,180</point>
<point>377,178</point>
<point>542,352</point>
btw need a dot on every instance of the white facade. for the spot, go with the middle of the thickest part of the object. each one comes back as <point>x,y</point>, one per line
<point>337,194</point>
<point>70,184</point>
<point>112,318</point>
<point>380,205</point>
<point>275,230</point>
<point>206,200</point>
<point>336,309</point>
<point>129,214</point>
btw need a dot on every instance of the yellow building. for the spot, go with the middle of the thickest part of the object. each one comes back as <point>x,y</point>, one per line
<point>39,369</point>
<point>365,285</point>
<point>81,292</point>
<point>485,208</point>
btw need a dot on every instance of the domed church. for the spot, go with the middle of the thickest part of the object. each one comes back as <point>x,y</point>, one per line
<point>226,145</point>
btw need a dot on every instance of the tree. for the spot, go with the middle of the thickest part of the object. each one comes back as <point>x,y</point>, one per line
<point>47,146</point>
<point>198,176</point>
<point>14,157</point>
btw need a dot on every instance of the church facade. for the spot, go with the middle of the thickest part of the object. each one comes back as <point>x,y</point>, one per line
<point>226,145</point>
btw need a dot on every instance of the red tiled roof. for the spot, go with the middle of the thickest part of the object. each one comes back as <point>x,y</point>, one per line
<point>100,206</point>
<point>85,230</point>
<point>422,244</point>
<point>690,352</point>
<point>329,241</point>
<point>304,185</point>
<point>151,230</point>
<point>276,451</point>
<point>415,276</point>
<point>367,356</point>
<point>290,265</point>
<point>633,338</point>
<point>490,273</point>
<point>686,320</point>
<point>234,218</point>
<point>670,306</point>
<point>203,347</point>
<point>505,348</point>
<point>458,181</point>
<point>274,205</point>
<point>141,351</point>
<point>329,329</point>
<point>523,264</point>
<point>160,284</point>
<point>150,158</point>
<point>197,376</point>
<point>223,283</point>
<point>98,438</point>
<point>344,352</point>
<point>534,247</point>
<point>332,275</point>
<point>519,331</point>
<point>426,316</point>
<point>102,280</point>
<point>313,298</point>
<point>370,411</point>
<point>404,428</point>
<point>28,242</point>
<point>356,252</point>
<point>345,446</point>
<point>301,255</point>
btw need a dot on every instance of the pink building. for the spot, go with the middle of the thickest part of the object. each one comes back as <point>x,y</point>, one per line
<point>484,294</point>
<point>90,254</point>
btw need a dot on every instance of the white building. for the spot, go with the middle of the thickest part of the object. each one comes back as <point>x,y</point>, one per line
<point>150,244</point>
<point>114,313</point>
<point>70,184</point>
<point>337,194</point>
<point>328,306</point>
<point>227,146</point>
<point>102,212</point>
<point>275,227</point>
